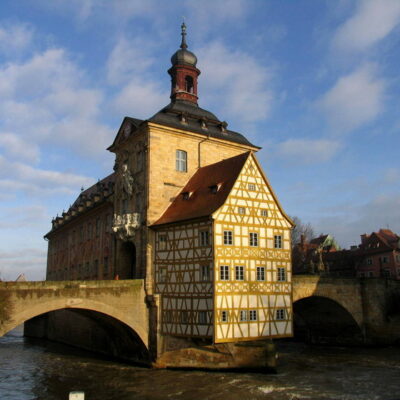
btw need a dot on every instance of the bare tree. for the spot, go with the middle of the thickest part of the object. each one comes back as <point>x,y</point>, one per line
<point>301,229</point>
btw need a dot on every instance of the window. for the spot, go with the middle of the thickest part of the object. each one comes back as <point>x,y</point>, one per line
<point>252,186</point>
<point>214,188</point>
<point>280,314</point>
<point>187,195</point>
<point>243,315</point>
<point>162,242</point>
<point>369,261</point>
<point>184,317</point>
<point>264,213</point>
<point>261,273</point>
<point>168,316</point>
<point>163,274</point>
<point>202,317</point>
<point>384,260</point>
<point>98,227</point>
<point>370,274</point>
<point>181,161</point>
<point>253,239</point>
<point>224,316</point>
<point>239,273</point>
<point>205,273</point>
<point>224,272</point>
<point>204,238</point>
<point>278,241</point>
<point>241,210</point>
<point>386,273</point>
<point>253,315</point>
<point>105,267</point>
<point>281,274</point>
<point>188,84</point>
<point>228,237</point>
<point>96,268</point>
<point>108,222</point>
<point>398,258</point>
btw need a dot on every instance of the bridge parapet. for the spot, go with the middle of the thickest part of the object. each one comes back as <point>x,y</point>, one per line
<point>123,300</point>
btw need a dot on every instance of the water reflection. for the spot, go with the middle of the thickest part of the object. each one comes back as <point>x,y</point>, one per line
<point>42,370</point>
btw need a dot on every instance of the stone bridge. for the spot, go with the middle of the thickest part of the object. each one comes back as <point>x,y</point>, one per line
<point>344,304</point>
<point>122,301</point>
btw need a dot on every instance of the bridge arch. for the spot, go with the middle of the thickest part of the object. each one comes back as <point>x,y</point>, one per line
<point>319,319</point>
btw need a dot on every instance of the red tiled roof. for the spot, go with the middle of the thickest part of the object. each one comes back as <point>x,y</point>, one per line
<point>202,201</point>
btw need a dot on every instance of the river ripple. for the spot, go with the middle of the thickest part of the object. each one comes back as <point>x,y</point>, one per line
<point>47,371</point>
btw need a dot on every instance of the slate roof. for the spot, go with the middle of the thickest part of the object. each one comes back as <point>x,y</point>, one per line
<point>202,201</point>
<point>171,116</point>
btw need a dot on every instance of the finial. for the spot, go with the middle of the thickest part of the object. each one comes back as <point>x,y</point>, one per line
<point>183,33</point>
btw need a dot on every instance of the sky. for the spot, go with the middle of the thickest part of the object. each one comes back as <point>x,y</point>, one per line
<point>314,82</point>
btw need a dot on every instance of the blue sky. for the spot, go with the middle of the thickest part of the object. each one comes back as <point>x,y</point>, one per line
<point>315,83</point>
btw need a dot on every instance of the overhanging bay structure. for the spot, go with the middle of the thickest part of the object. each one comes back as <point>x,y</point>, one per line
<point>189,211</point>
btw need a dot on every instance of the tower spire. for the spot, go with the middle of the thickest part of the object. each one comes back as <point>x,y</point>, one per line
<point>183,33</point>
<point>183,72</point>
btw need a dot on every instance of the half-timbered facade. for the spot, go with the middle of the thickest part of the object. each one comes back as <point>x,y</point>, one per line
<point>222,256</point>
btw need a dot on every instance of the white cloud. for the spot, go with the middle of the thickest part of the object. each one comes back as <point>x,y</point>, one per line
<point>16,176</point>
<point>128,59</point>
<point>307,151</point>
<point>355,99</point>
<point>48,94</point>
<point>14,38</point>
<point>16,148</point>
<point>372,22</point>
<point>348,223</point>
<point>236,88</point>
<point>30,261</point>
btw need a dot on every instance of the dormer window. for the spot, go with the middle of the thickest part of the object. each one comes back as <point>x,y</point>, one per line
<point>215,188</point>
<point>187,195</point>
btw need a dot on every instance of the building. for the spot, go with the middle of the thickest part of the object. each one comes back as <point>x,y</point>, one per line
<point>189,210</point>
<point>379,255</point>
<point>310,257</point>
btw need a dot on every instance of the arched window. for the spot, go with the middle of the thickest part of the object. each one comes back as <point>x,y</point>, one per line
<point>181,161</point>
<point>188,84</point>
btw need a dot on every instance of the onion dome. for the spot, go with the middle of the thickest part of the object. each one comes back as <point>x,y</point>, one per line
<point>184,56</point>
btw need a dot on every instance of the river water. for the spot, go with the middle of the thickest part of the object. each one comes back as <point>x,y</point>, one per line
<point>41,370</point>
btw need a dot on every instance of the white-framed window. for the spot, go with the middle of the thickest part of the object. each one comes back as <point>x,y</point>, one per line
<point>202,317</point>
<point>264,212</point>
<point>241,210</point>
<point>253,315</point>
<point>369,261</point>
<point>205,273</point>
<point>277,241</point>
<point>224,272</point>
<point>204,238</point>
<point>224,316</point>
<point>228,237</point>
<point>243,315</point>
<point>260,273</point>
<point>251,186</point>
<point>181,160</point>
<point>162,242</point>
<point>280,314</point>
<point>162,277</point>
<point>253,239</point>
<point>281,274</point>
<point>239,272</point>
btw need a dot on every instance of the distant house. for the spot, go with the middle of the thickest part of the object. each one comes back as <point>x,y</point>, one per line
<point>308,257</point>
<point>379,255</point>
